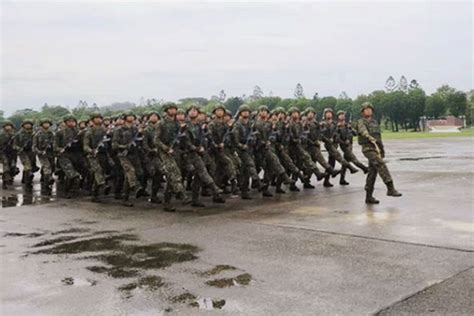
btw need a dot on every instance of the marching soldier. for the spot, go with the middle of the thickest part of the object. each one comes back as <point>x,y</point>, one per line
<point>23,145</point>
<point>95,149</point>
<point>328,134</point>
<point>43,147</point>
<point>370,138</point>
<point>124,142</point>
<point>345,134</point>
<point>8,154</point>
<point>154,163</point>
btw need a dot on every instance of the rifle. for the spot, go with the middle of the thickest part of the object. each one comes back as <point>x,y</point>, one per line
<point>69,144</point>
<point>101,144</point>
<point>132,143</point>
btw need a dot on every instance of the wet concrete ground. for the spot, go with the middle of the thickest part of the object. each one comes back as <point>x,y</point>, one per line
<point>319,251</point>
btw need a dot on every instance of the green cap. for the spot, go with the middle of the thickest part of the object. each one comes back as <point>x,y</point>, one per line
<point>169,105</point>
<point>129,113</point>
<point>5,123</point>
<point>244,108</point>
<point>94,115</point>
<point>218,106</point>
<point>180,111</point>
<point>366,105</point>
<point>327,110</point>
<point>293,109</point>
<point>193,106</point>
<point>340,112</point>
<point>153,112</point>
<point>69,117</point>
<point>46,120</point>
<point>263,108</point>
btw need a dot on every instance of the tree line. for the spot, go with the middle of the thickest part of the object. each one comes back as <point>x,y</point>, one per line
<point>400,105</point>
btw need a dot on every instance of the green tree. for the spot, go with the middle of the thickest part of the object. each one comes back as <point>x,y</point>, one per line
<point>233,103</point>
<point>435,106</point>
<point>416,106</point>
<point>457,103</point>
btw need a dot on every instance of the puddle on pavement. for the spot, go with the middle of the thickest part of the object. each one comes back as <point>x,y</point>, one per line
<point>20,199</point>
<point>203,303</point>
<point>72,231</point>
<point>148,283</point>
<point>217,269</point>
<point>242,279</point>
<point>421,158</point>
<point>78,282</point>
<point>27,235</point>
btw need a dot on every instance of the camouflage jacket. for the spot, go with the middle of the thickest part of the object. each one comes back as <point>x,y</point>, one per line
<point>67,139</point>
<point>149,133</point>
<point>166,134</point>
<point>242,134</point>
<point>23,140</point>
<point>95,140</point>
<point>314,132</point>
<point>124,139</point>
<point>345,134</point>
<point>6,141</point>
<point>328,132</point>
<point>43,142</point>
<point>369,127</point>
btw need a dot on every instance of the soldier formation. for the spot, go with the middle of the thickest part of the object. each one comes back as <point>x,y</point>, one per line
<point>180,151</point>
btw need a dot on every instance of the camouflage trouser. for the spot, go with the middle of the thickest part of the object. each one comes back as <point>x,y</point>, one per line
<point>201,176</point>
<point>286,160</point>
<point>226,167</point>
<point>236,163</point>
<point>317,156</point>
<point>248,169</point>
<point>350,157</point>
<point>7,171</point>
<point>273,167</point>
<point>47,163</point>
<point>96,170</point>
<point>132,170</point>
<point>335,155</point>
<point>303,159</point>
<point>28,160</point>
<point>172,173</point>
<point>376,166</point>
<point>68,163</point>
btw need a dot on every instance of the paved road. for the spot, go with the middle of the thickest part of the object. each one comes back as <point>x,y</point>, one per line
<point>320,251</point>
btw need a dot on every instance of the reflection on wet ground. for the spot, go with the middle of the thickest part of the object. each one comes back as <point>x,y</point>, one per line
<point>122,256</point>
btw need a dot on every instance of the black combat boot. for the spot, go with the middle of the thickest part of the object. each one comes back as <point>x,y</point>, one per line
<point>278,189</point>
<point>167,207</point>
<point>294,188</point>
<point>183,198</point>
<point>327,184</point>
<point>369,199</point>
<point>391,190</point>
<point>333,172</point>
<point>234,187</point>
<point>352,168</point>
<point>342,180</point>
<point>319,175</point>
<point>154,195</point>
<point>265,191</point>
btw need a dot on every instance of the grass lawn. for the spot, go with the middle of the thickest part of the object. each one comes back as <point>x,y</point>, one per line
<point>412,135</point>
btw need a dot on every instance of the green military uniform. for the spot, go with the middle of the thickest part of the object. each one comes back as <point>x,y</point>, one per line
<point>243,137</point>
<point>43,147</point>
<point>123,142</point>
<point>297,138</point>
<point>69,153</point>
<point>345,135</point>
<point>370,139</point>
<point>95,142</point>
<point>166,137</point>
<point>154,164</point>
<point>23,143</point>
<point>8,155</point>
<point>329,137</point>
<point>192,143</point>
<point>218,131</point>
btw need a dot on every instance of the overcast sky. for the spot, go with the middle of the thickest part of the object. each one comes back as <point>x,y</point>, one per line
<point>61,53</point>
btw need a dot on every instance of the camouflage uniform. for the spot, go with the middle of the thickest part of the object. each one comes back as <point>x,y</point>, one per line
<point>95,149</point>
<point>8,155</point>
<point>154,164</point>
<point>166,137</point>
<point>192,143</point>
<point>266,155</point>
<point>69,153</point>
<point>218,131</point>
<point>345,135</point>
<point>370,139</point>
<point>43,147</point>
<point>243,138</point>
<point>123,141</point>
<point>329,136</point>
<point>297,140</point>
<point>22,144</point>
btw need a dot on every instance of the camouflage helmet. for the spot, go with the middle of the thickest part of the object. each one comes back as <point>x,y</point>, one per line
<point>309,110</point>
<point>69,117</point>
<point>263,108</point>
<point>244,108</point>
<point>366,105</point>
<point>293,109</point>
<point>279,110</point>
<point>6,123</point>
<point>169,105</point>
<point>26,121</point>
<point>128,113</point>
<point>45,120</point>
<point>151,113</point>
<point>94,115</point>
<point>218,106</point>
<point>180,111</point>
<point>340,112</point>
<point>108,118</point>
<point>193,106</point>
<point>327,110</point>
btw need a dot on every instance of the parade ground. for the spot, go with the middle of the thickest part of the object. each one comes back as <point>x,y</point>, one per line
<point>314,252</point>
